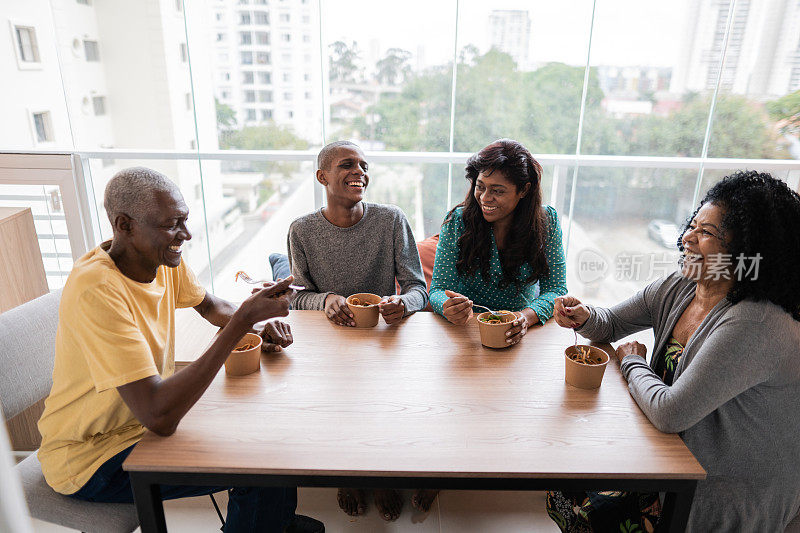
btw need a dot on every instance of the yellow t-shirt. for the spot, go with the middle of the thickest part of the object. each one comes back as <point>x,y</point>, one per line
<point>112,330</point>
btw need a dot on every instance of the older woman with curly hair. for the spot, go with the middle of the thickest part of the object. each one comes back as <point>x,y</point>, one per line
<point>725,371</point>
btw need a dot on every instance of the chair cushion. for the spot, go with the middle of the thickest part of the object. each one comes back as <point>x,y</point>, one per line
<point>48,505</point>
<point>27,352</point>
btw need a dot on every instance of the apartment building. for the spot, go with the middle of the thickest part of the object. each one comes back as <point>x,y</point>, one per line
<point>510,32</point>
<point>762,57</point>
<point>266,62</point>
<point>73,81</point>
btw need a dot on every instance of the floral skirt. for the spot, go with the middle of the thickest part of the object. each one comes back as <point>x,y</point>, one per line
<point>620,512</point>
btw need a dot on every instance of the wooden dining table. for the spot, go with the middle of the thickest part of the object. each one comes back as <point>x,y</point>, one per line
<point>417,404</point>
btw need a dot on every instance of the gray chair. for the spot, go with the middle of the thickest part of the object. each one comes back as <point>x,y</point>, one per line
<point>27,352</point>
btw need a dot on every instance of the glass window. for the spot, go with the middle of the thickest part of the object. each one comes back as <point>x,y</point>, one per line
<point>306,38</point>
<point>244,17</point>
<point>756,112</point>
<point>404,78</point>
<point>43,127</point>
<point>247,58</point>
<point>247,78</point>
<point>265,96</point>
<point>285,17</point>
<point>179,5</point>
<point>262,37</point>
<point>262,58</point>
<point>249,96</point>
<point>85,2</point>
<point>220,37</point>
<point>287,77</point>
<point>264,78</point>
<point>266,114</point>
<point>251,114</point>
<point>188,101</point>
<point>245,37</point>
<point>287,96</point>
<point>99,104</point>
<point>286,37</point>
<point>91,50</point>
<point>184,52</point>
<point>27,46</point>
<point>261,17</point>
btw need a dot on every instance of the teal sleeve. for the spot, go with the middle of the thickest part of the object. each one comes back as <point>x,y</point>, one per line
<point>555,284</point>
<point>445,275</point>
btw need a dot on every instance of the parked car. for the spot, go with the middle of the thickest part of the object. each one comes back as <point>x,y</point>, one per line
<point>664,233</point>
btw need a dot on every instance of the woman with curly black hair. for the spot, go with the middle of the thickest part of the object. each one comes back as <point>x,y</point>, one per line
<point>725,371</point>
<point>500,245</point>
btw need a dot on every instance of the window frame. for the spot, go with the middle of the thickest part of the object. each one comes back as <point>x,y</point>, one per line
<point>23,64</point>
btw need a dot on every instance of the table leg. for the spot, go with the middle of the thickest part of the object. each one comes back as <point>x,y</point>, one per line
<point>149,507</point>
<point>677,506</point>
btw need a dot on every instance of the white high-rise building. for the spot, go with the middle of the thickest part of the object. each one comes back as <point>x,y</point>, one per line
<point>266,62</point>
<point>510,32</point>
<point>762,58</point>
<point>92,74</point>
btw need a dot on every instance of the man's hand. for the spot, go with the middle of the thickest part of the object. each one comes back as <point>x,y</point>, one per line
<point>270,302</point>
<point>277,335</point>
<point>392,309</point>
<point>630,348</point>
<point>457,309</point>
<point>570,312</point>
<point>338,312</point>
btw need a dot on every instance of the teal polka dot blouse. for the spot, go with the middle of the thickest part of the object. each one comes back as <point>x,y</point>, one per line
<point>489,294</point>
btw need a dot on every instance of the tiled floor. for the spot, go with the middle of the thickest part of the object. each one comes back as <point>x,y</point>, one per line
<point>454,511</point>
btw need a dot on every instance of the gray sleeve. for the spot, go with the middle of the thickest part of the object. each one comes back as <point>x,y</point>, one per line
<point>407,266</point>
<point>632,315</point>
<point>731,360</point>
<point>309,298</point>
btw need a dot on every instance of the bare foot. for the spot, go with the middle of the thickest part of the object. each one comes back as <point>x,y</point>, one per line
<point>423,499</point>
<point>389,503</point>
<point>352,501</point>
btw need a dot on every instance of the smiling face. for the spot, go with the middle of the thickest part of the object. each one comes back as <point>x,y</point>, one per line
<point>157,239</point>
<point>704,244</point>
<point>346,179</point>
<point>497,196</point>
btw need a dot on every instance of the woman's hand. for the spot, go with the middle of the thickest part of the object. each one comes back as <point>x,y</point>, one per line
<point>570,312</point>
<point>392,309</point>
<point>277,335</point>
<point>457,308</point>
<point>630,348</point>
<point>338,312</point>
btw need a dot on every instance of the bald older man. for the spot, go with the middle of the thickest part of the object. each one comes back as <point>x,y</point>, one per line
<point>114,366</point>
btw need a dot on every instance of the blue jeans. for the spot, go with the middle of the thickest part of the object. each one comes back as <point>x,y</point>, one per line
<point>249,508</point>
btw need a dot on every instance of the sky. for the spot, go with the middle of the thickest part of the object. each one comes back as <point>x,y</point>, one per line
<point>626,32</point>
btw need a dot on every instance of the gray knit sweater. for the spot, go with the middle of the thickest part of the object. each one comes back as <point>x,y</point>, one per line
<point>366,257</point>
<point>735,400</point>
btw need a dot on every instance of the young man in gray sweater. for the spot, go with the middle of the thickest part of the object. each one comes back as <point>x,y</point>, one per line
<point>350,246</point>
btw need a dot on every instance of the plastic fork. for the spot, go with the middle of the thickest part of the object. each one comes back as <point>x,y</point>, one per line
<point>247,279</point>
<point>489,310</point>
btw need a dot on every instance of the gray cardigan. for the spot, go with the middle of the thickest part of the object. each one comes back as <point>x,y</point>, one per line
<point>735,400</point>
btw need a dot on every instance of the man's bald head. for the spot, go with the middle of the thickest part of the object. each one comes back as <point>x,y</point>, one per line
<point>326,155</point>
<point>132,190</point>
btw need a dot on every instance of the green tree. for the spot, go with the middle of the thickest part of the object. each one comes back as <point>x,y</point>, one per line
<point>393,68</point>
<point>786,112</point>
<point>344,61</point>
<point>266,137</point>
<point>226,116</point>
